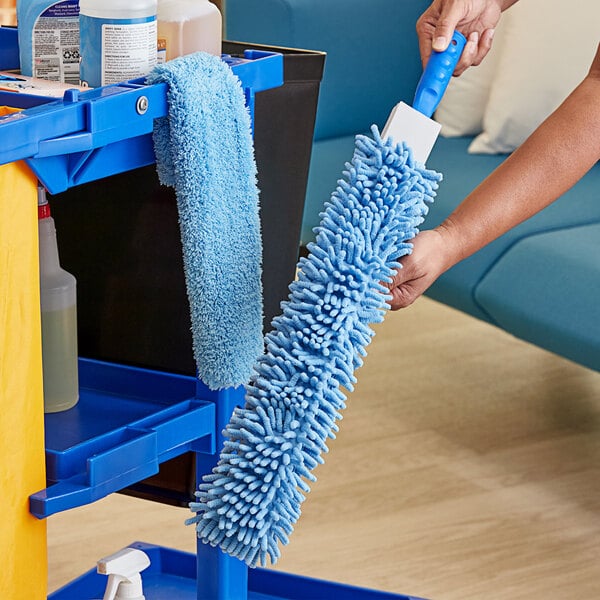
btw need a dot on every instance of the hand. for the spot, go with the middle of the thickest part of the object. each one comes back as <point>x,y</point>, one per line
<point>429,259</point>
<point>475,19</point>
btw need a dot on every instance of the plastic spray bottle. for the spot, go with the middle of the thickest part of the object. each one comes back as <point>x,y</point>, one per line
<point>49,39</point>
<point>118,40</point>
<point>59,318</point>
<point>186,26</point>
<point>123,569</point>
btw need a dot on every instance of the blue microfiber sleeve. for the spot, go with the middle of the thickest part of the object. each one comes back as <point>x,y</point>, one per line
<point>250,502</point>
<point>204,149</point>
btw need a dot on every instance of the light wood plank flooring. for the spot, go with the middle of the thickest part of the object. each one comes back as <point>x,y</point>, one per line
<point>467,467</point>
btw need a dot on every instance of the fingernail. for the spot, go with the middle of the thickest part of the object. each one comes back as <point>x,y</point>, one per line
<point>439,44</point>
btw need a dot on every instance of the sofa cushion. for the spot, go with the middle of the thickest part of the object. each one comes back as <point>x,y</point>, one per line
<point>372,52</point>
<point>462,172</point>
<point>546,289</point>
<point>534,73</point>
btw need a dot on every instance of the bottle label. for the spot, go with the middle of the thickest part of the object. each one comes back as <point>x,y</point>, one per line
<point>115,50</point>
<point>55,43</point>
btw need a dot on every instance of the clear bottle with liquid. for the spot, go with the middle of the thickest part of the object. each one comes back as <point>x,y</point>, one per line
<point>59,318</point>
<point>187,26</point>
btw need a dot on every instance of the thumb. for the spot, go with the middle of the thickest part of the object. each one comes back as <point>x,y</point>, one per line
<point>450,16</point>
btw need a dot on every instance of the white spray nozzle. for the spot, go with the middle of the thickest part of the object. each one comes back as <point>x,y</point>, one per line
<point>123,569</point>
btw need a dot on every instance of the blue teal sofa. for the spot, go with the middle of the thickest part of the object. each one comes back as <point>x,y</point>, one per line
<point>540,281</point>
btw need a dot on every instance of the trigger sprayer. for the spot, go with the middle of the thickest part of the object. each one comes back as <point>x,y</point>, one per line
<point>123,569</point>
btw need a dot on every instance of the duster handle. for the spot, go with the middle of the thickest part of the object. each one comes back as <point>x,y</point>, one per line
<point>437,74</point>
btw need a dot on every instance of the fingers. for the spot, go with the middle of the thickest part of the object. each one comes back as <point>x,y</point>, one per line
<point>476,20</point>
<point>424,49</point>
<point>436,25</point>
<point>469,54</point>
<point>451,14</point>
<point>485,45</point>
<point>425,29</point>
<point>419,269</point>
<point>476,49</point>
<point>402,297</point>
<point>406,286</point>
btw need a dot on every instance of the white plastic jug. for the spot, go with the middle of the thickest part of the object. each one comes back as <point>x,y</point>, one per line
<point>187,26</point>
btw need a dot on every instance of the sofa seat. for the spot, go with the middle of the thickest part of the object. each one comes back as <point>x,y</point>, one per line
<point>554,301</point>
<point>462,172</point>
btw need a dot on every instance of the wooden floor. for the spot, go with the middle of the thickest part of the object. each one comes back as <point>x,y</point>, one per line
<point>467,467</point>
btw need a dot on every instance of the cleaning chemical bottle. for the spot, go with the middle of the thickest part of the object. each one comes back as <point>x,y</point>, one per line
<point>49,39</point>
<point>123,569</point>
<point>59,318</point>
<point>186,26</point>
<point>118,40</point>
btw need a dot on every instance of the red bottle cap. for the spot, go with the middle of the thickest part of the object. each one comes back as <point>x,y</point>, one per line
<point>43,211</point>
<point>43,206</point>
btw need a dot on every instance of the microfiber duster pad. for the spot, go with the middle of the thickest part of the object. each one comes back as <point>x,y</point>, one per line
<point>204,149</point>
<point>249,503</point>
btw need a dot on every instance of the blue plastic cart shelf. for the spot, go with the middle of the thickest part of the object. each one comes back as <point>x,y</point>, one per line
<point>90,135</point>
<point>129,420</point>
<point>171,576</point>
<point>126,423</point>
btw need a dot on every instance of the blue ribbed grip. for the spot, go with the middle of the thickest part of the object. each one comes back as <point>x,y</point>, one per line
<point>435,78</point>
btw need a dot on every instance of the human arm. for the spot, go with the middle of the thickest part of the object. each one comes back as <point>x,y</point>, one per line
<point>475,19</point>
<point>563,148</point>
